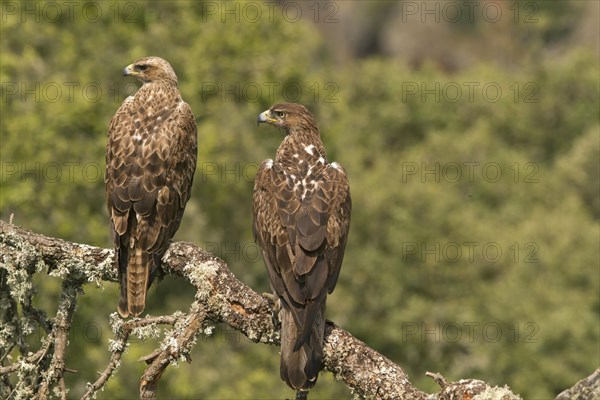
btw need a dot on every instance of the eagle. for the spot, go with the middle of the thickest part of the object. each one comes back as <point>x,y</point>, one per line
<point>150,163</point>
<point>301,208</point>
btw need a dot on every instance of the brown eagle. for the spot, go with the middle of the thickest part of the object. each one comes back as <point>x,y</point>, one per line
<point>150,164</point>
<point>301,221</point>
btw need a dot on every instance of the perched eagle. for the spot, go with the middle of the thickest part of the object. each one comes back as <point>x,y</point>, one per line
<point>301,222</point>
<point>150,164</point>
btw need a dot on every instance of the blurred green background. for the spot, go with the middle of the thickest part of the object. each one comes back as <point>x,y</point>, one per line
<point>469,131</point>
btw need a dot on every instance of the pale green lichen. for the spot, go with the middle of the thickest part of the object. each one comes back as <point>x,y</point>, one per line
<point>252,335</point>
<point>96,273</point>
<point>180,353</point>
<point>208,330</point>
<point>116,322</point>
<point>8,335</point>
<point>58,393</point>
<point>90,388</point>
<point>146,332</point>
<point>26,371</point>
<point>20,269</point>
<point>169,342</point>
<point>497,393</point>
<point>23,393</point>
<point>76,267</point>
<point>115,346</point>
<point>200,275</point>
<point>178,315</point>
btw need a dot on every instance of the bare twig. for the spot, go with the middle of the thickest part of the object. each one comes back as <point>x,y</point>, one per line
<point>438,378</point>
<point>119,346</point>
<point>32,359</point>
<point>62,388</point>
<point>60,332</point>
<point>175,349</point>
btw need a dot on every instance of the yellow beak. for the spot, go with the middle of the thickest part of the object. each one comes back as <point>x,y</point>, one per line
<point>265,116</point>
<point>129,70</point>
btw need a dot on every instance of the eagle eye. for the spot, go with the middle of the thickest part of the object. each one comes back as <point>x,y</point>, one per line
<point>280,114</point>
<point>142,67</point>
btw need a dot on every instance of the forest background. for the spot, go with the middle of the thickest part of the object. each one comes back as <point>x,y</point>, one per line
<point>469,131</point>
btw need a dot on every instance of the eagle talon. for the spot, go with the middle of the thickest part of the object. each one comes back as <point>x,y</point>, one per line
<point>275,304</point>
<point>270,297</point>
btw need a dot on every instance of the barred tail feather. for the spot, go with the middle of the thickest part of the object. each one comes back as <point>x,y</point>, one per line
<point>122,308</point>
<point>121,261</point>
<point>138,275</point>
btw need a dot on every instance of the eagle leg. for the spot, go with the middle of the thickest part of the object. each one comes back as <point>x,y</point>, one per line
<point>275,303</point>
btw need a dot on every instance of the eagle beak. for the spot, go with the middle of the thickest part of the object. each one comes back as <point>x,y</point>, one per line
<point>128,70</point>
<point>264,116</point>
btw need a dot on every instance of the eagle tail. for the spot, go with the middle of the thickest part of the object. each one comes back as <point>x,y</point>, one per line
<point>300,368</point>
<point>122,308</point>
<point>134,283</point>
<point>121,261</point>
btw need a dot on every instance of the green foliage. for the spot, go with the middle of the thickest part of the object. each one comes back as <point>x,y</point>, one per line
<point>473,247</point>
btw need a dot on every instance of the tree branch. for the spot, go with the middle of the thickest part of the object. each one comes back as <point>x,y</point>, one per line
<point>220,297</point>
<point>588,388</point>
<point>180,347</point>
<point>60,332</point>
<point>119,345</point>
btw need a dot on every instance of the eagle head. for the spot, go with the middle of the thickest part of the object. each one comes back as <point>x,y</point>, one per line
<point>289,117</point>
<point>151,69</point>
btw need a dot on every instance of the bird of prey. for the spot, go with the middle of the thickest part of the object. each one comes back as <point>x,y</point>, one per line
<point>150,164</point>
<point>301,207</point>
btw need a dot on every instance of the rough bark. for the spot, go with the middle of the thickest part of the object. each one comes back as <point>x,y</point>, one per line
<point>585,389</point>
<point>220,297</point>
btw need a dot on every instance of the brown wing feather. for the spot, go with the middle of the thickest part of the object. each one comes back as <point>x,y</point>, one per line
<point>150,167</point>
<point>269,232</point>
<point>338,225</point>
<point>302,241</point>
<point>303,244</point>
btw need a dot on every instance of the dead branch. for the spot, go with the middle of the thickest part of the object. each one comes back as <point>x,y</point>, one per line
<point>585,389</point>
<point>119,345</point>
<point>192,326</point>
<point>220,297</point>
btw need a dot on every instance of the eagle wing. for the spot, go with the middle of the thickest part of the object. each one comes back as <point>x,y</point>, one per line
<point>150,164</point>
<point>302,238</point>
